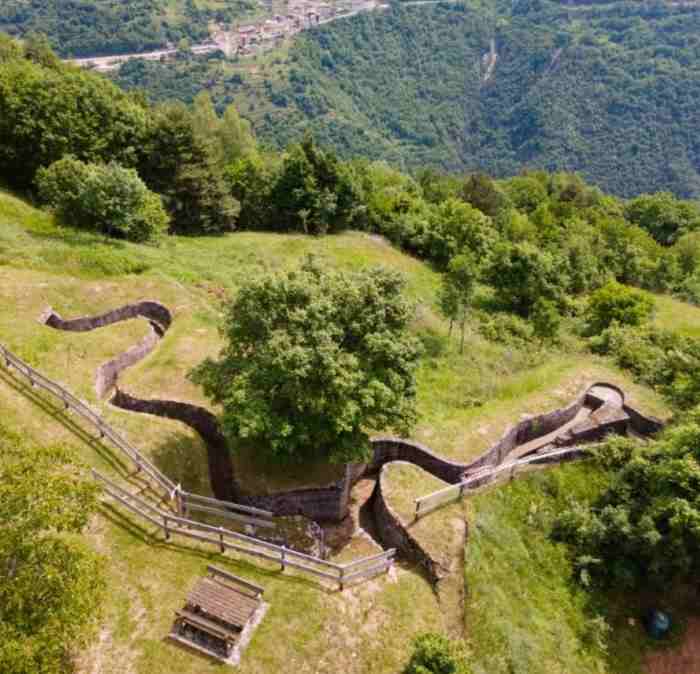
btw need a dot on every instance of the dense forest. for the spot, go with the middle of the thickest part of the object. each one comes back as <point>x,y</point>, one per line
<point>92,27</point>
<point>606,90</point>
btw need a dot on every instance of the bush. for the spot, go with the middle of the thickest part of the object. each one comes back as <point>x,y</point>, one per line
<point>644,530</point>
<point>505,328</point>
<point>616,303</point>
<point>660,358</point>
<point>102,198</point>
<point>49,112</point>
<point>436,654</point>
<point>522,274</point>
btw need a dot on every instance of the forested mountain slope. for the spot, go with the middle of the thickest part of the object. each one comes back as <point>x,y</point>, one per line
<point>90,27</point>
<point>607,89</point>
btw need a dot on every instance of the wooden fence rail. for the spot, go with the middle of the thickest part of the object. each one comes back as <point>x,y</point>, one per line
<point>253,516</point>
<point>226,539</point>
<point>176,524</point>
<point>454,492</point>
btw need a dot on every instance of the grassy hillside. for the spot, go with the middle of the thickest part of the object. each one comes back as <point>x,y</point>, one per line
<point>606,89</point>
<point>465,402</point>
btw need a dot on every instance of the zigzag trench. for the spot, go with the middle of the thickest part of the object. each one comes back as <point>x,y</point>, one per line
<point>599,409</point>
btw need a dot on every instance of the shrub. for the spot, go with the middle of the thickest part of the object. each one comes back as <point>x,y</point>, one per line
<point>616,303</point>
<point>645,528</point>
<point>522,274</point>
<point>49,112</point>
<point>505,328</point>
<point>546,320</point>
<point>660,358</point>
<point>454,226</point>
<point>664,216</point>
<point>102,198</point>
<point>436,654</point>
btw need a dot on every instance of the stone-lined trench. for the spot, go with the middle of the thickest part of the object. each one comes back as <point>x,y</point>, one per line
<point>357,502</point>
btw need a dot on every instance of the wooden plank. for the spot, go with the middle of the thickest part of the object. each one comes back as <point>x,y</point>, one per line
<point>247,519</point>
<point>208,625</point>
<point>254,553</point>
<point>223,602</point>
<point>135,510</point>
<point>316,572</point>
<point>382,555</point>
<point>363,573</point>
<point>228,504</point>
<point>116,491</point>
<point>316,560</point>
<point>197,647</point>
<point>241,581</point>
<point>157,514</point>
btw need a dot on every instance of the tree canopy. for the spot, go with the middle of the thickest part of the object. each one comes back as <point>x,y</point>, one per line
<point>51,581</point>
<point>314,360</point>
<point>645,528</point>
<point>103,198</point>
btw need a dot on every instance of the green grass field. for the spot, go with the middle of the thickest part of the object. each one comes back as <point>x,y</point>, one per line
<point>541,625</point>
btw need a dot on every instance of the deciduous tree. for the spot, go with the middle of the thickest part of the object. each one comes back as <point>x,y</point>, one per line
<point>315,360</point>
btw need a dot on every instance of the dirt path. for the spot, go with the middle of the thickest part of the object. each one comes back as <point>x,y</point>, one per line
<point>684,659</point>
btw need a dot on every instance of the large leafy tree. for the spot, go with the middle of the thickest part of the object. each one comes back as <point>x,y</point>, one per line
<point>180,164</point>
<point>664,216</point>
<point>314,193</point>
<point>48,112</point>
<point>455,226</point>
<point>314,360</point>
<point>51,581</point>
<point>616,303</point>
<point>456,290</point>
<point>522,274</point>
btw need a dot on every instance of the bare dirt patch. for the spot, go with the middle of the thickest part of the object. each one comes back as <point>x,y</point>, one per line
<point>685,659</point>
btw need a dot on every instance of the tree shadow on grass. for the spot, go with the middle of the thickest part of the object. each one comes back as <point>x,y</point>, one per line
<point>74,237</point>
<point>182,457</point>
<point>243,567</point>
<point>62,416</point>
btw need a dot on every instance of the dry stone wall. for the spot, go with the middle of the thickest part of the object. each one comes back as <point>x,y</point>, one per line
<point>332,502</point>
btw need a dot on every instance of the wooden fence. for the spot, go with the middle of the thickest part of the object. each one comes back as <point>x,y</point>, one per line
<point>487,476</point>
<point>187,502</point>
<point>226,539</point>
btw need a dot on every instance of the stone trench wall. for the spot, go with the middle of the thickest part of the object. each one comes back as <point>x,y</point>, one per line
<point>148,309</point>
<point>158,316</point>
<point>395,534</point>
<point>324,503</point>
<point>108,373</point>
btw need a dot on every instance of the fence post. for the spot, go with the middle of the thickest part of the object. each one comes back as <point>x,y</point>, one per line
<point>221,540</point>
<point>282,558</point>
<point>341,578</point>
<point>165,528</point>
<point>176,494</point>
<point>417,515</point>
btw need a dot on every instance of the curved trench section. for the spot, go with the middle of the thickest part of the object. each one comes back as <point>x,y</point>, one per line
<point>598,410</point>
<point>198,418</point>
